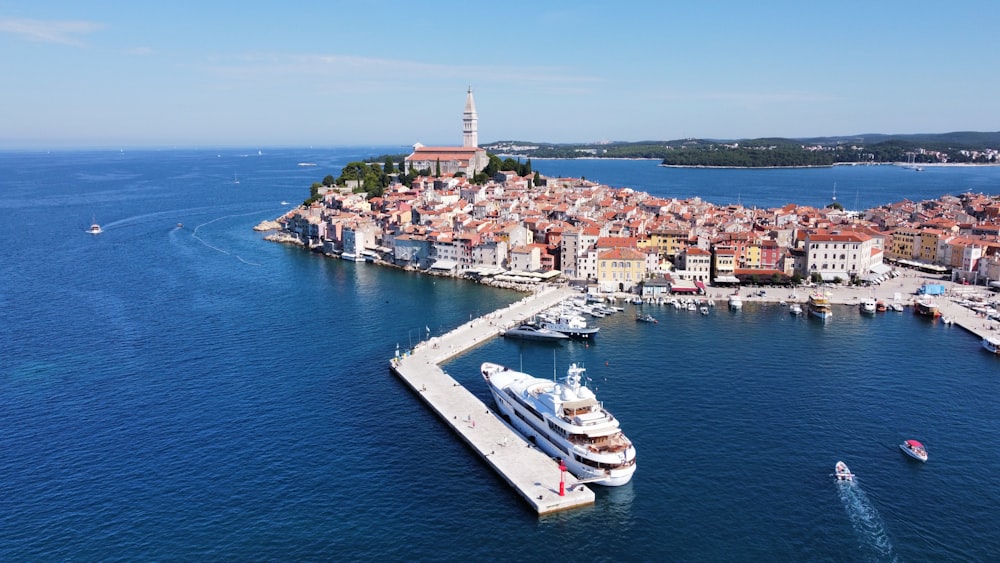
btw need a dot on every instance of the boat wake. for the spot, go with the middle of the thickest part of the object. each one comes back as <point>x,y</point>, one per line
<point>197,237</point>
<point>867,524</point>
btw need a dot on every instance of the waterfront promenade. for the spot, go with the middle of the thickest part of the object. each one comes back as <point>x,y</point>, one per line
<point>902,289</point>
<point>533,474</point>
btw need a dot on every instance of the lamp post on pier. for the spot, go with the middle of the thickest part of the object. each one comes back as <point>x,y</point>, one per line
<point>562,478</point>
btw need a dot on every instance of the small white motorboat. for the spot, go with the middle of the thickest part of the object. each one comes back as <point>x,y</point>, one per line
<point>95,229</point>
<point>868,306</point>
<point>914,449</point>
<point>842,473</point>
<point>795,309</point>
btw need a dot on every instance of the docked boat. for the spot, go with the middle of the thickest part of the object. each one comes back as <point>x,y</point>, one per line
<point>571,325</point>
<point>868,306</point>
<point>914,449</point>
<point>703,309</point>
<point>646,318</point>
<point>926,307</point>
<point>842,473</point>
<point>819,306</point>
<point>880,306</point>
<point>897,307</point>
<point>566,421</point>
<point>991,344</point>
<point>532,332</point>
<point>795,309</point>
<point>735,302</point>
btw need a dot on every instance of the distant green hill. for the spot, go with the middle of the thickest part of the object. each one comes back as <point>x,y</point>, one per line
<point>960,146</point>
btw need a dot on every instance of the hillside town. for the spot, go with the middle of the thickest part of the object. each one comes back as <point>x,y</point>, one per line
<point>520,230</point>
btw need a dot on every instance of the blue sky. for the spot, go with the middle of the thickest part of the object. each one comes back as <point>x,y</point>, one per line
<point>246,73</point>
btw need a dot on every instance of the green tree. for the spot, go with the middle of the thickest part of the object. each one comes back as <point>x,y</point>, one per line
<point>437,169</point>
<point>328,180</point>
<point>354,171</point>
<point>313,194</point>
<point>388,166</point>
<point>493,166</point>
<point>510,165</point>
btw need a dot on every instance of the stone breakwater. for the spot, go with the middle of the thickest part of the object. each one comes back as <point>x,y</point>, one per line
<point>267,226</point>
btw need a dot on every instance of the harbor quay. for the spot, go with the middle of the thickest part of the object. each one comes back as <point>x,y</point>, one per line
<point>902,289</point>
<point>535,476</point>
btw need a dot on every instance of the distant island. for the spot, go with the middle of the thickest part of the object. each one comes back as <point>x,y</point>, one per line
<point>941,148</point>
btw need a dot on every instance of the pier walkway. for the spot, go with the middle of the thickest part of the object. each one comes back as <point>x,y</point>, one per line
<point>531,472</point>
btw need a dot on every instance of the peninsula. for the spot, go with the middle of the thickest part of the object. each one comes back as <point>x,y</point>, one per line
<point>951,148</point>
<point>516,228</point>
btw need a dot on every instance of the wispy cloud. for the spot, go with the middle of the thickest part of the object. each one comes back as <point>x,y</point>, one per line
<point>49,31</point>
<point>378,70</point>
<point>747,98</point>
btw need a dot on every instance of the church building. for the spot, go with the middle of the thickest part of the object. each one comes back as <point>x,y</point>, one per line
<point>468,159</point>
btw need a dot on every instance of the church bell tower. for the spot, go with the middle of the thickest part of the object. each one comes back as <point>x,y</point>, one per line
<point>470,123</point>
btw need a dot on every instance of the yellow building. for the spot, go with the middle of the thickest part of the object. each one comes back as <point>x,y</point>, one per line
<point>751,256</point>
<point>620,269</point>
<point>724,262</point>
<point>929,240</point>
<point>905,244</point>
<point>668,243</point>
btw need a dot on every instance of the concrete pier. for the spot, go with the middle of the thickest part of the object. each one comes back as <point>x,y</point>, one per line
<point>531,472</point>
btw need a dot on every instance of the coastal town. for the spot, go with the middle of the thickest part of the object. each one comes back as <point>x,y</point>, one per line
<point>518,231</point>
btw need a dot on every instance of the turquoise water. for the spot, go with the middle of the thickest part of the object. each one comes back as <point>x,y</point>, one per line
<point>197,393</point>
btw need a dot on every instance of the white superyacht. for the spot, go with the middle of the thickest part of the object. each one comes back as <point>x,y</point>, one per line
<point>566,421</point>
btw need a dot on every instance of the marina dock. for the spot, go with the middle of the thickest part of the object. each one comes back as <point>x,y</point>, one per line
<point>531,472</point>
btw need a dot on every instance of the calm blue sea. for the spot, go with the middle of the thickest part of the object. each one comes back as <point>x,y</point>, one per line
<point>192,392</point>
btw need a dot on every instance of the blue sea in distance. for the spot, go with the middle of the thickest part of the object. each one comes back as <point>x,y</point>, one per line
<point>176,388</point>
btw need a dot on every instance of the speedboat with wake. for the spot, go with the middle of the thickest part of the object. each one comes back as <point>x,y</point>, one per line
<point>842,473</point>
<point>566,421</point>
<point>914,449</point>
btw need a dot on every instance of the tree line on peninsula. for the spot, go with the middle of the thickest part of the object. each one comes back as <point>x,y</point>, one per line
<point>372,176</point>
<point>959,147</point>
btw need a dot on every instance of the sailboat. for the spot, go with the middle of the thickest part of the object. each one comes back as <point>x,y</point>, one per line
<point>236,179</point>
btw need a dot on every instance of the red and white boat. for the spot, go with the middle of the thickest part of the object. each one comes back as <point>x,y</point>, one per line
<point>914,449</point>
